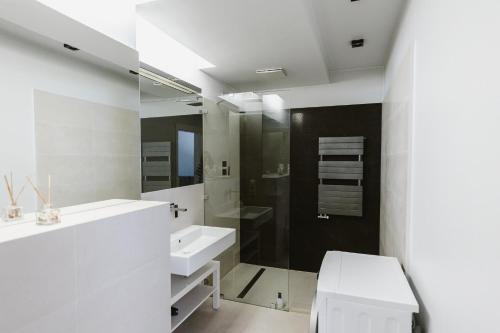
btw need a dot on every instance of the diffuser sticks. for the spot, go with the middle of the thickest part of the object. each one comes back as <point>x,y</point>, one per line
<point>38,193</point>
<point>13,212</point>
<point>47,215</point>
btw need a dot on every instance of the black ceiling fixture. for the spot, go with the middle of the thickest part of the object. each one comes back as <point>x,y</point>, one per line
<point>354,0</point>
<point>71,47</point>
<point>357,43</point>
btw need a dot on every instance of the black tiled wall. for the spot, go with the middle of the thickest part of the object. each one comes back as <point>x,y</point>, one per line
<point>311,237</point>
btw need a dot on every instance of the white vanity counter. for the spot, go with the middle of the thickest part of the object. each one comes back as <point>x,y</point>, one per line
<point>72,216</point>
<point>104,268</point>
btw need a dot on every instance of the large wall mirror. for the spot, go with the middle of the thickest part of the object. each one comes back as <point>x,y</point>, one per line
<point>171,131</point>
<point>75,117</point>
<point>70,116</point>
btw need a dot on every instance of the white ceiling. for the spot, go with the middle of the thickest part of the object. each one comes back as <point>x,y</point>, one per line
<point>341,21</point>
<point>309,38</point>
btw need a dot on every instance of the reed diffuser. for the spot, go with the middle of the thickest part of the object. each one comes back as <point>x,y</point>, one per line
<point>13,212</point>
<point>48,215</point>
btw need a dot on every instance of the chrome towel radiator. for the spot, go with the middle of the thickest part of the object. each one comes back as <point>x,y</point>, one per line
<point>342,199</point>
<point>156,166</point>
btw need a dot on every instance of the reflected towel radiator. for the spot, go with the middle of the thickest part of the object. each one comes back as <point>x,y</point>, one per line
<point>340,199</point>
<point>156,168</point>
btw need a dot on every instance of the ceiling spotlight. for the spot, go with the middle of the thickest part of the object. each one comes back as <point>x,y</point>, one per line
<point>157,84</point>
<point>357,43</point>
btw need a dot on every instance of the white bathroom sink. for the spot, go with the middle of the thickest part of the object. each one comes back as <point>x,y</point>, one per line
<point>193,247</point>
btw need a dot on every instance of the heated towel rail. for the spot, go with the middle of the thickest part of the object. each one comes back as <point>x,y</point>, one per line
<point>340,199</point>
<point>156,168</point>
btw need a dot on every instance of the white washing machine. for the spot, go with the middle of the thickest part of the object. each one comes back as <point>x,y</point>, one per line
<point>360,293</point>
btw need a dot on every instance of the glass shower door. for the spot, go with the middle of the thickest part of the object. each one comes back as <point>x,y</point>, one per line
<point>222,175</point>
<point>247,187</point>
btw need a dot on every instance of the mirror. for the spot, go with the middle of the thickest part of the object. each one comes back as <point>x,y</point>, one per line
<point>77,118</point>
<point>71,115</point>
<point>171,131</point>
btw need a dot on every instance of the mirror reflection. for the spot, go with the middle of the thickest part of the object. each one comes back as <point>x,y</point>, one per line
<point>70,132</point>
<point>171,132</point>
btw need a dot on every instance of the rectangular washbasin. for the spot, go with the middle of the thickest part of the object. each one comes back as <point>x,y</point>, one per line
<point>193,247</point>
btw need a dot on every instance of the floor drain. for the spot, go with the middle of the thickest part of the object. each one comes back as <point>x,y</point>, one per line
<point>251,283</point>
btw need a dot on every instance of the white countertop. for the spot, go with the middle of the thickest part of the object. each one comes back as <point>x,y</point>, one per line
<point>72,216</point>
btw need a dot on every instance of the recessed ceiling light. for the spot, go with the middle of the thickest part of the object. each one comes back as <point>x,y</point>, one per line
<point>357,43</point>
<point>157,84</point>
<point>70,47</point>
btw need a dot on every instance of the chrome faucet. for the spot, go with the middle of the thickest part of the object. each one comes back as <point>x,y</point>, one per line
<point>175,209</point>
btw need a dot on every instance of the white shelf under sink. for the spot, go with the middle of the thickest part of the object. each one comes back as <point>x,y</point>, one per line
<point>188,304</point>
<point>188,293</point>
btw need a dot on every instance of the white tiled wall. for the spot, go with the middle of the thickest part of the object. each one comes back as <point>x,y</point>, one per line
<point>35,289</point>
<point>396,153</point>
<point>221,141</point>
<point>91,150</point>
<point>105,276</point>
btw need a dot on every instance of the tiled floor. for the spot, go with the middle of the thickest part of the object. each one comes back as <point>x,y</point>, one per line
<point>302,290</point>
<point>296,287</point>
<point>233,317</point>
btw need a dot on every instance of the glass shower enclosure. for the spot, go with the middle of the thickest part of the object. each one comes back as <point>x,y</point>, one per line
<point>247,180</point>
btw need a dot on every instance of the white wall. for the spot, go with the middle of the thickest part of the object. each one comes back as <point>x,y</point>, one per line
<point>349,87</point>
<point>114,18</point>
<point>396,152</point>
<point>453,232</point>
<point>190,197</point>
<point>27,67</point>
